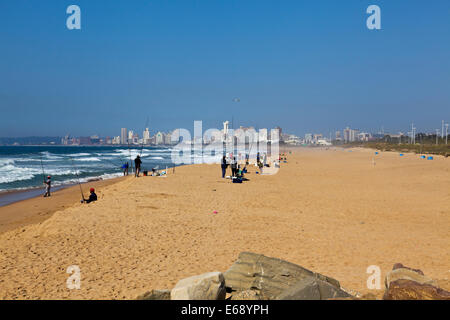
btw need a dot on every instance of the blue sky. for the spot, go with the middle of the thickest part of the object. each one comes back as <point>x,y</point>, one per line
<point>307,66</point>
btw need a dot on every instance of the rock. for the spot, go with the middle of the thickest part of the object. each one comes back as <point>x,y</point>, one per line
<point>270,276</point>
<point>312,288</point>
<point>411,290</point>
<point>207,286</point>
<point>246,295</point>
<point>155,295</point>
<point>405,273</point>
<point>401,266</point>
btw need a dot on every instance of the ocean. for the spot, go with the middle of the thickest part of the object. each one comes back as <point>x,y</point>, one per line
<point>24,167</point>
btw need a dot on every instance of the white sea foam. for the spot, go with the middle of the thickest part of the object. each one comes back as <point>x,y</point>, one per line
<point>87,159</point>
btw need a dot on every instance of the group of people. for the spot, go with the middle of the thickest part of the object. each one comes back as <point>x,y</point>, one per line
<point>48,186</point>
<point>261,162</point>
<point>236,170</point>
<point>93,195</point>
<point>137,166</point>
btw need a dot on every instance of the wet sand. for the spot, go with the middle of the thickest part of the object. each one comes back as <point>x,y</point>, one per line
<point>331,211</point>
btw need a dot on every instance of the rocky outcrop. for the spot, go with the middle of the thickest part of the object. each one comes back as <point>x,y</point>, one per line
<point>207,286</point>
<point>312,288</point>
<point>270,276</point>
<point>404,283</point>
<point>155,295</point>
<point>407,274</point>
<point>411,290</point>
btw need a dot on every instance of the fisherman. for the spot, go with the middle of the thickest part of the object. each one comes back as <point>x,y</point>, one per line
<point>224,166</point>
<point>92,196</point>
<point>125,168</point>
<point>48,185</point>
<point>137,165</point>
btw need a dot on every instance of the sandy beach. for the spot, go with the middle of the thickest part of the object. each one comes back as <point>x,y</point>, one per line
<point>334,211</point>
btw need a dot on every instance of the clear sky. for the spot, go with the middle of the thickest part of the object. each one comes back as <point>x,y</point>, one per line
<point>305,65</point>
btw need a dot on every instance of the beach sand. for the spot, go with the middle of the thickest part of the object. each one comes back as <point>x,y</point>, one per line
<point>331,211</point>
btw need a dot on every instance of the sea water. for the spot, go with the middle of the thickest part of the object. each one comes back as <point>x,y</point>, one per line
<point>25,167</point>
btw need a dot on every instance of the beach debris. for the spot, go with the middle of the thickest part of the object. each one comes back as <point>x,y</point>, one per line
<point>207,286</point>
<point>270,276</point>
<point>155,295</point>
<point>403,283</point>
<point>312,288</point>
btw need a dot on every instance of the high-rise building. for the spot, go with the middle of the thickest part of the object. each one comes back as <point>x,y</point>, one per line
<point>350,135</point>
<point>146,136</point>
<point>123,136</point>
<point>225,130</point>
<point>308,138</point>
<point>159,137</point>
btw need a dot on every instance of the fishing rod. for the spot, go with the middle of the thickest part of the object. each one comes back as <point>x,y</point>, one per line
<point>131,159</point>
<point>142,145</point>
<point>42,166</point>
<point>78,178</point>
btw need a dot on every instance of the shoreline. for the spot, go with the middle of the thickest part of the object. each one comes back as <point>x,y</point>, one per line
<point>35,209</point>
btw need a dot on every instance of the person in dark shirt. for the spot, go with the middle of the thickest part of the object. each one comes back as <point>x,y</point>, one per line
<point>137,165</point>
<point>92,196</point>
<point>224,166</point>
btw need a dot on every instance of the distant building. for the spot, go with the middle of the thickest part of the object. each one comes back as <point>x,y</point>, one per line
<point>146,136</point>
<point>350,135</point>
<point>308,138</point>
<point>123,136</point>
<point>225,130</point>
<point>159,138</point>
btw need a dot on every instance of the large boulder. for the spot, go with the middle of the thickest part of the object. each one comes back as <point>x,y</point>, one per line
<point>155,295</point>
<point>312,288</point>
<point>207,286</point>
<point>405,273</point>
<point>404,283</point>
<point>269,276</point>
<point>411,290</point>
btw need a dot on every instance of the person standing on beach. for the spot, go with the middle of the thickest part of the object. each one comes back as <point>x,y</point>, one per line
<point>137,165</point>
<point>224,166</point>
<point>233,167</point>
<point>48,185</point>
<point>125,169</point>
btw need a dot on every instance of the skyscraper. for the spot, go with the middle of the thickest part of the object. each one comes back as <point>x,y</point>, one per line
<point>123,136</point>
<point>146,136</point>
